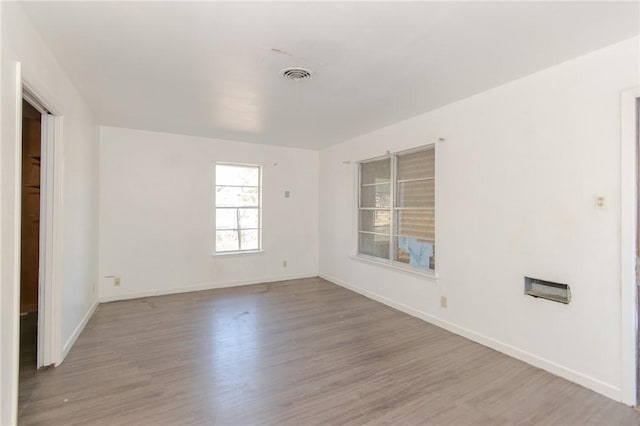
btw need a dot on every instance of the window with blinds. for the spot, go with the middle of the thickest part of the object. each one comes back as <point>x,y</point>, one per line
<point>396,211</point>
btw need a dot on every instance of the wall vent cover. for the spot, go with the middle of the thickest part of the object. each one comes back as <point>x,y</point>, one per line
<point>296,73</point>
<point>547,290</point>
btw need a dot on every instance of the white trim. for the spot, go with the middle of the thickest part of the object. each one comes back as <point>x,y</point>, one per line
<point>375,184</point>
<point>46,227</point>
<point>38,96</point>
<point>374,233</point>
<point>2,386</point>
<point>203,286</point>
<point>236,253</point>
<point>33,101</point>
<point>415,180</point>
<point>372,159</point>
<point>597,385</point>
<point>628,232</point>
<point>15,280</point>
<point>76,333</point>
<point>393,224</point>
<point>355,201</point>
<point>395,266</point>
<point>56,245</point>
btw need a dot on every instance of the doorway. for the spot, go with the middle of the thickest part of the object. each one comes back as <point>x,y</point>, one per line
<point>30,235</point>
<point>36,290</point>
<point>30,223</point>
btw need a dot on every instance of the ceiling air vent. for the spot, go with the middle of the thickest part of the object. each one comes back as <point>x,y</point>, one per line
<point>296,73</point>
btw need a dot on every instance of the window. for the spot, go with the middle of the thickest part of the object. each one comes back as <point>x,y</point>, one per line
<point>238,215</point>
<point>396,211</point>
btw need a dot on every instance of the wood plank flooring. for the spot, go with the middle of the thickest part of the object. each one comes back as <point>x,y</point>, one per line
<point>300,352</point>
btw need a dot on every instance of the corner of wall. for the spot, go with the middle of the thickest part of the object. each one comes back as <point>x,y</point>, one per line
<point>66,347</point>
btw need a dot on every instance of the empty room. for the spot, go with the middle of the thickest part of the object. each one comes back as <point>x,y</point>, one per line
<point>319,213</point>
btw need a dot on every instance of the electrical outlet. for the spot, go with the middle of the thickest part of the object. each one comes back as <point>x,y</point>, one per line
<point>600,202</point>
<point>443,302</point>
<point>116,281</point>
<point>284,263</point>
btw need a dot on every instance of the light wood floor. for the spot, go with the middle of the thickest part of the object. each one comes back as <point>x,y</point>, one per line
<point>293,353</point>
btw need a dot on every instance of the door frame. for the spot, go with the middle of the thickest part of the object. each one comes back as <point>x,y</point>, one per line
<point>49,348</point>
<point>628,246</point>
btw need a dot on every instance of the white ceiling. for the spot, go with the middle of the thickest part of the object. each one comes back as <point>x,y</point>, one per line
<point>213,69</point>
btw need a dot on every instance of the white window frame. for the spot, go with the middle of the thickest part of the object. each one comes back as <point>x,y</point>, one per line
<point>215,209</point>
<point>391,263</point>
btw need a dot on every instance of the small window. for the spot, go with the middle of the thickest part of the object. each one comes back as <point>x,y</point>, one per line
<point>238,208</point>
<point>396,211</point>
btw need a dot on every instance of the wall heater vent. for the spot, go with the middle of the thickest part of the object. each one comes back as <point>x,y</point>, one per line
<point>547,290</point>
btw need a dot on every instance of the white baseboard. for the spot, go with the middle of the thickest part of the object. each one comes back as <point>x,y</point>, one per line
<point>592,383</point>
<point>203,286</point>
<point>76,333</point>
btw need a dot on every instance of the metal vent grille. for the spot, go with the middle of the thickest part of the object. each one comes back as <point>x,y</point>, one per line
<point>296,73</point>
<point>547,290</point>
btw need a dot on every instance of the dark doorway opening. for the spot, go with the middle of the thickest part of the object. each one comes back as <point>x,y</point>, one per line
<point>30,241</point>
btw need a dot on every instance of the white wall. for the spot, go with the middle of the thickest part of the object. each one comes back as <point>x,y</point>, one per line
<point>516,181</point>
<point>156,206</point>
<point>21,43</point>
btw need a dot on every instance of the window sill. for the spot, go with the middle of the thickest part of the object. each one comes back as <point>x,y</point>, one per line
<point>236,253</point>
<point>388,264</point>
